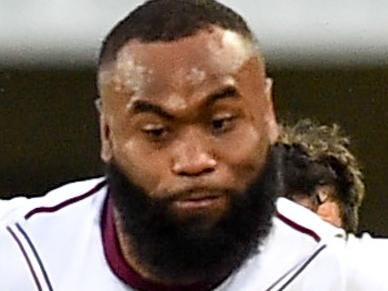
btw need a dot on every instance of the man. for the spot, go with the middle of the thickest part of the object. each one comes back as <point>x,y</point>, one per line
<point>321,172</point>
<point>188,202</point>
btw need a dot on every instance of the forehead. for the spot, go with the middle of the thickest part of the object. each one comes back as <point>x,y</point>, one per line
<point>211,49</point>
<point>212,57</point>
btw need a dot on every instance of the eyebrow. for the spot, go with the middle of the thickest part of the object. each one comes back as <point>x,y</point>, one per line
<point>223,93</point>
<point>141,106</point>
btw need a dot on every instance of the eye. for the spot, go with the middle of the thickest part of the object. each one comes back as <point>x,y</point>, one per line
<point>155,131</point>
<point>223,123</point>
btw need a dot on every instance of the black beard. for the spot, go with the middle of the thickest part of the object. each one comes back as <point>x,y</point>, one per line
<point>176,250</point>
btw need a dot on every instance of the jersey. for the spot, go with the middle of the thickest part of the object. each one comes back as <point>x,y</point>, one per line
<point>66,240</point>
<point>7,207</point>
<point>366,260</point>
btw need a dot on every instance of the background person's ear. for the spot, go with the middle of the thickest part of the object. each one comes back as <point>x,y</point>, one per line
<point>328,208</point>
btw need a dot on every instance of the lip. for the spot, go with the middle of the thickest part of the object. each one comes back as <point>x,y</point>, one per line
<point>200,203</point>
<point>198,193</point>
<point>200,199</point>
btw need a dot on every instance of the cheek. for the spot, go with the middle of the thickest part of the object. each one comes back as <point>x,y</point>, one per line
<point>245,152</point>
<point>140,164</point>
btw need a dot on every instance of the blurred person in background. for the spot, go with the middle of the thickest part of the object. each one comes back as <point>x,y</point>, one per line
<point>321,173</point>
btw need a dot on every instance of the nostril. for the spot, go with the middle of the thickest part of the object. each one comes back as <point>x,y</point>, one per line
<point>208,170</point>
<point>196,173</point>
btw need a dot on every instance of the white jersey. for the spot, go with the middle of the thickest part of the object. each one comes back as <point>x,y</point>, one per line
<point>66,241</point>
<point>7,207</point>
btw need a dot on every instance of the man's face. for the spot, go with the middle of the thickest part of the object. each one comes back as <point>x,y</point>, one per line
<point>190,119</point>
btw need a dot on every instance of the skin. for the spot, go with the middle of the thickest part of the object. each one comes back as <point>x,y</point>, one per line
<point>191,116</point>
<point>328,209</point>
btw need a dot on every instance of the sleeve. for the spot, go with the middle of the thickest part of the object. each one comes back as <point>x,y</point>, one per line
<point>366,262</point>
<point>16,269</point>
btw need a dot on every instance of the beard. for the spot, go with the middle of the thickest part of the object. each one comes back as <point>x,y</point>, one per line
<point>180,250</point>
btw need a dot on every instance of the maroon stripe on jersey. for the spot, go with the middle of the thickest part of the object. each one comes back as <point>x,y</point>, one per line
<point>65,203</point>
<point>298,227</point>
<point>26,258</point>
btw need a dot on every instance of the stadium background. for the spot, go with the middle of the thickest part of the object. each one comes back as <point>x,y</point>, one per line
<point>328,61</point>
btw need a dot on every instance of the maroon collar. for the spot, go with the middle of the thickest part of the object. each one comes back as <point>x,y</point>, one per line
<point>121,268</point>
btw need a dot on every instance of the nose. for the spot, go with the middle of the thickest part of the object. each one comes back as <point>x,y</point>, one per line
<point>193,156</point>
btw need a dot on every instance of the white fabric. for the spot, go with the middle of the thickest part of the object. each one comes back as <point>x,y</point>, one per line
<point>7,207</point>
<point>69,245</point>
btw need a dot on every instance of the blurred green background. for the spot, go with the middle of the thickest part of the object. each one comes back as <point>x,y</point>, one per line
<point>49,131</point>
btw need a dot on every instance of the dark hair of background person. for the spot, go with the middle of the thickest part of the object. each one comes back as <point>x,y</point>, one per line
<point>320,155</point>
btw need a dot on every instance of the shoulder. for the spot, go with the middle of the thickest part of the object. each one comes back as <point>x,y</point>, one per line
<point>358,263</point>
<point>366,258</point>
<point>68,197</point>
<point>35,234</point>
<point>301,222</point>
<point>295,254</point>
<point>8,206</point>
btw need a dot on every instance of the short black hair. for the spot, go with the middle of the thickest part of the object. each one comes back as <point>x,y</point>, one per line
<point>169,20</point>
<point>320,155</point>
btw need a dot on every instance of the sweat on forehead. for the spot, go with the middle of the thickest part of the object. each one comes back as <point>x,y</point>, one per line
<point>224,49</point>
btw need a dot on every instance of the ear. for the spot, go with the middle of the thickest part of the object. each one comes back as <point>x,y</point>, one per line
<point>270,118</point>
<point>328,209</point>
<point>106,153</point>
